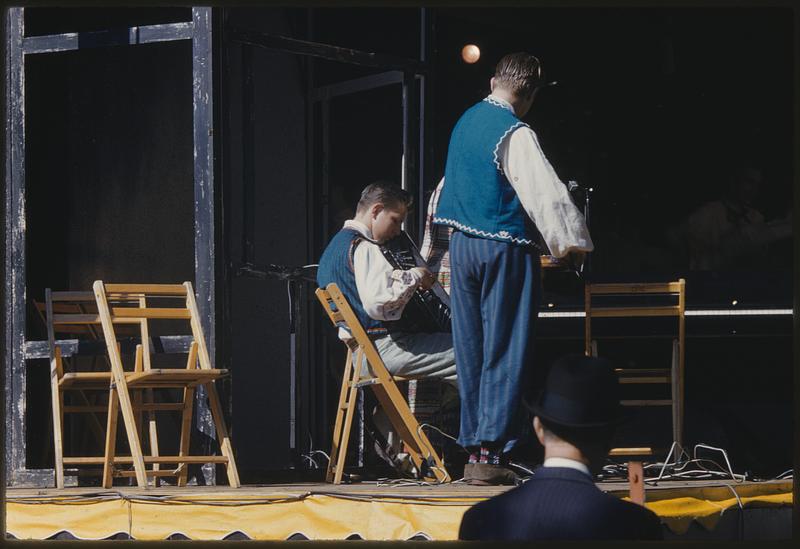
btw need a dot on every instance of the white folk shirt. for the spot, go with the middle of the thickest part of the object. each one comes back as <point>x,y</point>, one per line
<point>566,462</point>
<point>542,194</point>
<point>383,290</point>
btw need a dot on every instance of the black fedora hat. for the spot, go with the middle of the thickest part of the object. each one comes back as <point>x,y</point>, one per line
<point>580,391</point>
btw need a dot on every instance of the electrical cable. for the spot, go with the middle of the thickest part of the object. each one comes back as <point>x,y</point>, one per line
<point>431,451</point>
<point>683,467</point>
<point>741,510</point>
<point>725,455</point>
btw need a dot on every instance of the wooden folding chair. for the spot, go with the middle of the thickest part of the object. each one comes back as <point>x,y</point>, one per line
<point>673,376</point>
<point>74,314</point>
<point>360,348</point>
<point>132,304</point>
<point>673,297</point>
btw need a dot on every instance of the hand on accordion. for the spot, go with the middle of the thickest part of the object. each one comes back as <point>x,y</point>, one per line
<point>428,279</point>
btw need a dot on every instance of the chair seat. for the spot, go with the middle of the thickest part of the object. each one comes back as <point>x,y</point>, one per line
<point>631,453</point>
<point>172,377</point>
<point>148,379</point>
<point>86,380</point>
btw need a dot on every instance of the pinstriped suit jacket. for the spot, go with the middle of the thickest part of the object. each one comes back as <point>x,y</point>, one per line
<point>558,503</point>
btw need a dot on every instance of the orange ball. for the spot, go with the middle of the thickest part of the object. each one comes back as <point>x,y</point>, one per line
<point>470,53</point>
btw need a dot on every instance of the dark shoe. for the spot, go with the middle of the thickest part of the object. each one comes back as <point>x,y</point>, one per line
<point>487,474</point>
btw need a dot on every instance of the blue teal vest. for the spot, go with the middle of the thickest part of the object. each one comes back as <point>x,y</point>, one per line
<point>336,265</point>
<point>477,197</point>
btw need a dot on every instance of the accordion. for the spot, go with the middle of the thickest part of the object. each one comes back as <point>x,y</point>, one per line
<point>428,310</point>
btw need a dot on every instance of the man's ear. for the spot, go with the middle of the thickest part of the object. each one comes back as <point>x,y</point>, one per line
<point>375,209</point>
<point>538,428</point>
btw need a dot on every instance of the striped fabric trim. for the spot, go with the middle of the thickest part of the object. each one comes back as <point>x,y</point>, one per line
<point>502,235</point>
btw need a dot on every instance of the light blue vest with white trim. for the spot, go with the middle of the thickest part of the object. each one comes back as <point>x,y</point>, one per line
<point>477,198</point>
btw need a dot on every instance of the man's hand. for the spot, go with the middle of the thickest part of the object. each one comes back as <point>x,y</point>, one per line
<point>576,259</point>
<point>427,278</point>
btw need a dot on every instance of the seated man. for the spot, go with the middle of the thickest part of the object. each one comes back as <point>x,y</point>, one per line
<point>379,293</point>
<point>574,418</point>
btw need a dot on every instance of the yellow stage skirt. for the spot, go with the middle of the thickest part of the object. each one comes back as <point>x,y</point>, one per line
<point>320,515</point>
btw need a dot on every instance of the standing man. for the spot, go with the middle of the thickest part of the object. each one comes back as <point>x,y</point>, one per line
<point>499,193</point>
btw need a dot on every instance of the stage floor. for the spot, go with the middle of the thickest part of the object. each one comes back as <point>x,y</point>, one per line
<point>393,510</point>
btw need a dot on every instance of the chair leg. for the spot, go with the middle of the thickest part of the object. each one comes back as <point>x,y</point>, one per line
<point>134,441</point>
<point>336,439</point>
<point>137,403</point>
<point>636,481</point>
<point>352,395</point>
<point>416,441</point>
<point>57,405</point>
<point>58,434</point>
<point>351,392</point>
<point>394,404</point>
<point>211,389</point>
<point>222,434</point>
<point>677,404</point>
<point>120,385</point>
<point>186,426</point>
<point>153,432</point>
<point>111,438</point>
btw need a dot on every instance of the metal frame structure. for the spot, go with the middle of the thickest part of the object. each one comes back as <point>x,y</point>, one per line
<point>17,350</point>
<point>411,74</point>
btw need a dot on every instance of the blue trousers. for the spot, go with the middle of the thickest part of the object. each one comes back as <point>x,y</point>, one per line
<point>495,290</point>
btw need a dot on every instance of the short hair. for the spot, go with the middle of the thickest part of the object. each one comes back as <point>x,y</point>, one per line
<point>588,440</point>
<point>386,193</point>
<point>519,72</point>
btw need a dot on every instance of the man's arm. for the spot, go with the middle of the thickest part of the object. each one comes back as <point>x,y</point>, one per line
<point>435,249</point>
<point>428,238</point>
<point>384,291</point>
<point>542,194</point>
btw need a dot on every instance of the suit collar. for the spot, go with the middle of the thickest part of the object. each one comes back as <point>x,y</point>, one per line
<point>565,462</point>
<point>561,473</point>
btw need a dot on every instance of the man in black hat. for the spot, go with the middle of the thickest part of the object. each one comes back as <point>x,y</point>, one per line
<point>574,419</point>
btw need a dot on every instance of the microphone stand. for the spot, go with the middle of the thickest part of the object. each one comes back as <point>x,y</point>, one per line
<point>294,276</point>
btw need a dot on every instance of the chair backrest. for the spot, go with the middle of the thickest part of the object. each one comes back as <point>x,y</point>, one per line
<point>74,314</point>
<point>339,311</point>
<point>125,304</point>
<point>631,291</point>
<point>66,304</point>
<point>342,316</point>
